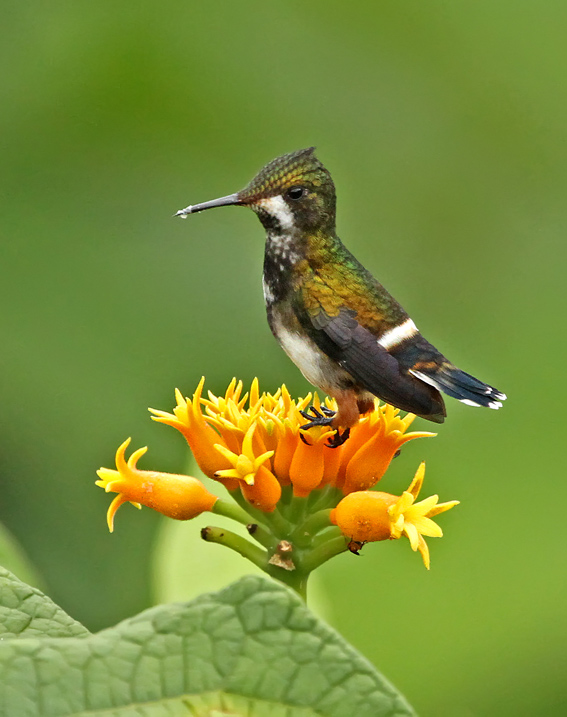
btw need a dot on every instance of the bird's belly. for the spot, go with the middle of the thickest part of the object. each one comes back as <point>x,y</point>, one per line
<point>313,363</point>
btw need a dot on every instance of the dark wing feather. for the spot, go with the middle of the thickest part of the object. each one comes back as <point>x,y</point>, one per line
<point>356,349</point>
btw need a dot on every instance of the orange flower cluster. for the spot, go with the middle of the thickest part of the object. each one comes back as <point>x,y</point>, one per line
<point>254,444</point>
<point>258,448</point>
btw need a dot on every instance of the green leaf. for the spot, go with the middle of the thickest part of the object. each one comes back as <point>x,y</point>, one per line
<point>27,612</point>
<point>251,649</point>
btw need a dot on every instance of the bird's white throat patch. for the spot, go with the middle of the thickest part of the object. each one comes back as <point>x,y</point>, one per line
<point>269,296</point>
<point>278,208</point>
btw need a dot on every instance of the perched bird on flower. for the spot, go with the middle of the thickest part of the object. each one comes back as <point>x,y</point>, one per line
<point>344,331</point>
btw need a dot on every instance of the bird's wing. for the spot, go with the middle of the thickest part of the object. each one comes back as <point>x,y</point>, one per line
<point>336,329</point>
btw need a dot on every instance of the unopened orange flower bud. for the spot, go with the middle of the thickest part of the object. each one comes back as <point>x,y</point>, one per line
<point>363,515</point>
<point>177,496</point>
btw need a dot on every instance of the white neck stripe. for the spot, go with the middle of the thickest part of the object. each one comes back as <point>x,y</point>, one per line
<point>277,208</point>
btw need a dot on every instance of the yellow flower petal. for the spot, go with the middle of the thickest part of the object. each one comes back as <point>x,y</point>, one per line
<point>411,531</point>
<point>116,503</point>
<point>403,504</point>
<point>424,506</point>
<point>424,551</point>
<point>245,464</point>
<point>442,507</point>
<point>425,526</point>
<point>417,482</point>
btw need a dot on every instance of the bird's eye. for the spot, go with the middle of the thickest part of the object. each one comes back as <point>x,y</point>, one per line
<point>296,192</point>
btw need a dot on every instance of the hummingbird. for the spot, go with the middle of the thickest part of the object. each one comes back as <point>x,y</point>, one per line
<point>343,330</point>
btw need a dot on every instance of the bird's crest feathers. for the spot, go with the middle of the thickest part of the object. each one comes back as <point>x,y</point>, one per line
<point>297,168</point>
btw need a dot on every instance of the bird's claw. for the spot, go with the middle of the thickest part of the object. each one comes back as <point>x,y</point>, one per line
<point>304,440</point>
<point>317,418</point>
<point>338,438</point>
<point>323,417</point>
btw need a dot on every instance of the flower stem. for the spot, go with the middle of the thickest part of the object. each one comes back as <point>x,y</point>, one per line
<point>311,526</point>
<point>287,495</point>
<point>234,512</point>
<point>323,536</point>
<point>237,543</point>
<point>296,579</point>
<point>328,497</point>
<point>324,552</point>
<point>262,535</point>
<point>258,530</point>
<point>280,525</point>
<point>256,516</point>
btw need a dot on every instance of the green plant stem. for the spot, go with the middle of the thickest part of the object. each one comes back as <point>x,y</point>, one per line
<point>296,512</point>
<point>287,496</point>
<point>282,527</point>
<point>294,579</point>
<point>332,531</point>
<point>327,498</point>
<point>262,535</point>
<point>311,526</point>
<point>266,520</point>
<point>257,530</point>
<point>235,542</point>
<point>233,511</point>
<point>324,552</point>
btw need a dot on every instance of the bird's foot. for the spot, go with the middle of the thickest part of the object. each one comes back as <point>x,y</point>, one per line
<point>323,417</point>
<point>338,438</point>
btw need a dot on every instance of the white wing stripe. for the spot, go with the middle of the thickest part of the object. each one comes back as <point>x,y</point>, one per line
<point>400,333</point>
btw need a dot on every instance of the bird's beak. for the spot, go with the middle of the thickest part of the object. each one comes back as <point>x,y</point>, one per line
<point>221,202</point>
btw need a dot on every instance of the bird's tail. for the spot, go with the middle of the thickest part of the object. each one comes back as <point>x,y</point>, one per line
<point>458,384</point>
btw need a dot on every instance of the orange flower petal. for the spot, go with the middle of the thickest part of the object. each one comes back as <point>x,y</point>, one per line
<point>307,467</point>
<point>333,458</point>
<point>265,492</point>
<point>284,454</point>
<point>370,462</point>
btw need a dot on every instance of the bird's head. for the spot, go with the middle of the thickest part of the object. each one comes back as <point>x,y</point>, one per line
<point>292,192</point>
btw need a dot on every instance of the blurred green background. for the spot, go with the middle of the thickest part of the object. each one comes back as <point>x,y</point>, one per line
<point>444,125</point>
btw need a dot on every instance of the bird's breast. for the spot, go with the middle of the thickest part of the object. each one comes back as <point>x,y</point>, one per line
<point>314,364</point>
